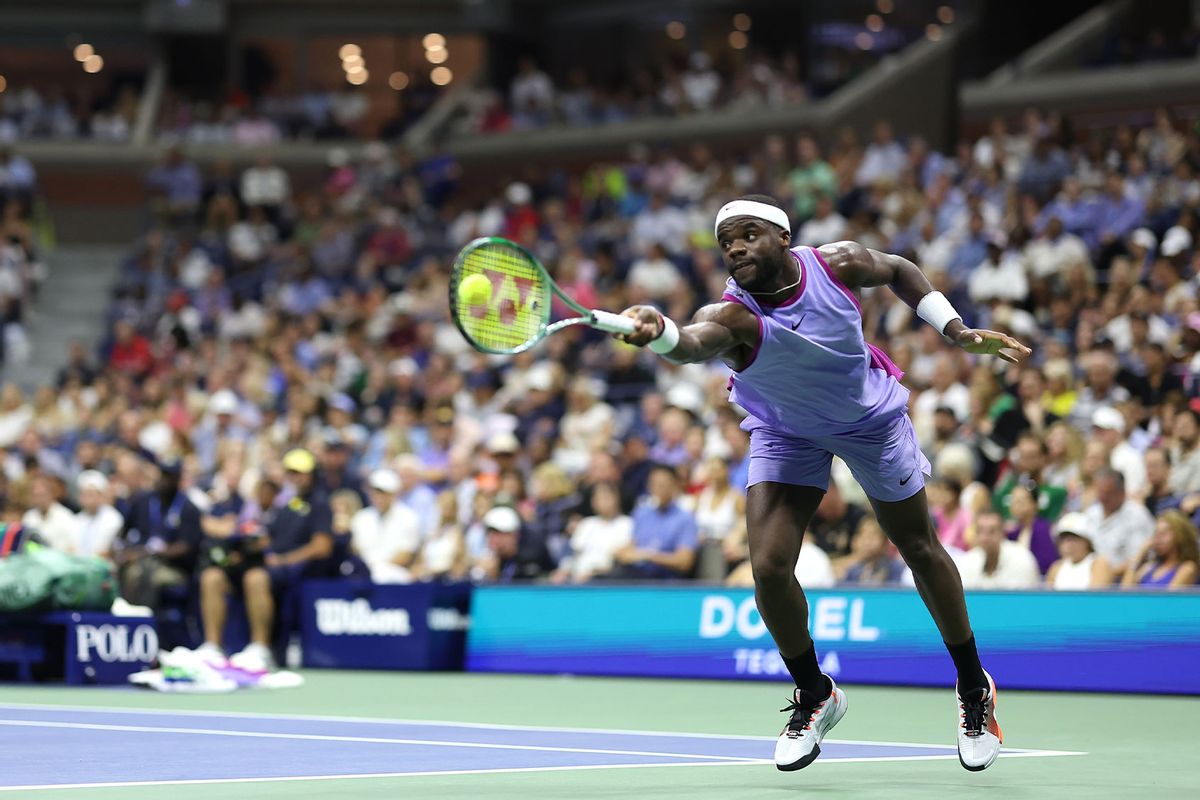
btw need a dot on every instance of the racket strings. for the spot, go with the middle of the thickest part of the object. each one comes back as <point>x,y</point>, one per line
<point>514,311</point>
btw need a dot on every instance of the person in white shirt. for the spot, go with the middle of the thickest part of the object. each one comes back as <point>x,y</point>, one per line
<point>1001,276</point>
<point>596,538</point>
<point>49,518</point>
<point>265,184</point>
<point>995,562</point>
<point>1119,526</point>
<point>531,94</point>
<point>944,391</point>
<point>97,523</point>
<point>386,534</point>
<point>826,225</point>
<point>1108,426</point>
<point>654,277</point>
<point>1079,567</point>
<point>883,159</point>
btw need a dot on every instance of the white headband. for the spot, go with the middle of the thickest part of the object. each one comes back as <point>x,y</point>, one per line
<point>752,208</point>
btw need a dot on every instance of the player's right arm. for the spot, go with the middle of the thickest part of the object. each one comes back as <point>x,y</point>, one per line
<point>717,330</point>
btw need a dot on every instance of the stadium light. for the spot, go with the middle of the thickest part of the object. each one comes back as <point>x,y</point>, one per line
<point>676,30</point>
<point>437,56</point>
<point>348,50</point>
<point>352,61</point>
<point>441,76</point>
<point>945,15</point>
<point>93,63</point>
<point>398,81</point>
<point>742,22</point>
<point>3,84</point>
<point>433,41</point>
<point>864,41</point>
<point>738,40</point>
<point>874,23</point>
<point>357,78</point>
<point>83,52</point>
<point>885,6</point>
<point>933,32</point>
<point>354,69</point>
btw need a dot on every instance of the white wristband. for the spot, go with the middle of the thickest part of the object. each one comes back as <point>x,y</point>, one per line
<point>668,339</point>
<point>935,309</point>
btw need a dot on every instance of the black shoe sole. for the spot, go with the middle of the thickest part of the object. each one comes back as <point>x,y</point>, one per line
<point>968,769</point>
<point>804,762</point>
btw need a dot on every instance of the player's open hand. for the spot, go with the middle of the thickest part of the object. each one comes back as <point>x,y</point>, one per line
<point>649,325</point>
<point>991,343</point>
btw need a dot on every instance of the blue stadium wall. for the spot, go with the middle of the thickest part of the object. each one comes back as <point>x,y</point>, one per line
<point>1085,641</point>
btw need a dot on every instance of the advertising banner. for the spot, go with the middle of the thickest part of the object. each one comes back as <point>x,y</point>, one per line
<point>1094,641</point>
<point>355,625</point>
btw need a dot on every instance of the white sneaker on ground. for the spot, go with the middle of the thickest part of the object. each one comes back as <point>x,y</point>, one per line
<point>979,735</point>
<point>800,743</point>
<point>210,653</point>
<point>255,658</point>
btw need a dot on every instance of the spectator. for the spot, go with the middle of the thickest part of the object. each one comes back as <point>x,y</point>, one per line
<point>1099,390</point>
<point>871,562</point>
<point>597,538</point>
<point>234,561</point>
<point>664,533</point>
<point>883,159</point>
<point>1028,470</point>
<point>655,278</point>
<point>1108,425</point>
<point>701,83</point>
<point>1185,453</point>
<point>1000,276</point>
<point>1118,524</point>
<point>176,185</point>
<point>266,185</point>
<point>443,553</point>
<point>834,523</point>
<point>97,523</point>
<point>556,509</point>
<point>995,562</point>
<point>1157,492</point>
<point>1169,559</point>
<point>1078,567</point>
<point>131,351</point>
<point>159,544</point>
<point>511,557</point>
<point>945,391</point>
<point>386,534</point>
<point>953,519</point>
<point>53,521</point>
<point>719,510</point>
<point>1028,529</point>
<point>812,179</point>
<point>531,95</point>
<point>824,226</point>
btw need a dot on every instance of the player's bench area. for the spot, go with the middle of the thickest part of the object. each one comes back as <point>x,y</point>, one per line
<point>341,624</point>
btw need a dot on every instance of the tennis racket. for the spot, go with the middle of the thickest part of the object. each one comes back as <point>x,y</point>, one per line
<point>500,299</point>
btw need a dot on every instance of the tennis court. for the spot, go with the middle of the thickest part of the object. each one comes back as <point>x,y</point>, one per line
<point>448,736</point>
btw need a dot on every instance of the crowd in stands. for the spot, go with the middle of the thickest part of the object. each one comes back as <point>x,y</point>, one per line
<point>284,395</point>
<point>54,113</point>
<point>21,268</point>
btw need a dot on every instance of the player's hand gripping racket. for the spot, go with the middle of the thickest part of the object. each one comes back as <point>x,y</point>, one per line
<point>500,299</point>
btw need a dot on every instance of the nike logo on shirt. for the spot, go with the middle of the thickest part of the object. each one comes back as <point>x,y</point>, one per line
<point>796,324</point>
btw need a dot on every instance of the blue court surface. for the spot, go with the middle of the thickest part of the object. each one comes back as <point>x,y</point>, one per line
<point>55,747</point>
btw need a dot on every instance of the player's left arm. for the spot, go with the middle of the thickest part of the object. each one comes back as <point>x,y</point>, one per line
<point>859,267</point>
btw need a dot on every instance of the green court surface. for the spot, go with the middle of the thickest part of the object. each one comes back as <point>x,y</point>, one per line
<point>1131,746</point>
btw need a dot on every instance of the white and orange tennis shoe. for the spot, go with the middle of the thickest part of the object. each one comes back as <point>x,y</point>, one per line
<point>979,735</point>
<point>800,743</point>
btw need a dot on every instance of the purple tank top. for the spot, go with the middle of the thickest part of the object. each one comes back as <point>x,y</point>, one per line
<point>812,373</point>
<point>1162,580</point>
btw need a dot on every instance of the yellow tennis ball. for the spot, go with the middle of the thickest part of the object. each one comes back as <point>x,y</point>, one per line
<point>475,290</point>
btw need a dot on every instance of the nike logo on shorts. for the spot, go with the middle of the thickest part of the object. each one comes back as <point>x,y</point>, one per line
<point>910,474</point>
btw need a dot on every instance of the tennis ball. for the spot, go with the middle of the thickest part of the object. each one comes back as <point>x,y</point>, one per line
<point>475,290</point>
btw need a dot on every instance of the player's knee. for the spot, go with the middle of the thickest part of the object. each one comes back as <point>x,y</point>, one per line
<point>773,569</point>
<point>920,553</point>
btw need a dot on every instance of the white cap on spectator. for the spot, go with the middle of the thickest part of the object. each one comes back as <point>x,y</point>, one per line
<point>1075,523</point>
<point>502,518</point>
<point>92,479</point>
<point>518,193</point>
<point>1108,418</point>
<point>1144,238</point>
<point>223,402</point>
<point>402,367</point>
<point>384,480</point>
<point>687,396</point>
<point>1175,241</point>
<point>503,442</point>
<point>540,377</point>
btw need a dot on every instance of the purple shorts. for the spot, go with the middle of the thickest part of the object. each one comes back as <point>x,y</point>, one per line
<point>887,461</point>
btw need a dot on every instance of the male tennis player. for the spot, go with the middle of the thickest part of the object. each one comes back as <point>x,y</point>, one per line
<point>789,325</point>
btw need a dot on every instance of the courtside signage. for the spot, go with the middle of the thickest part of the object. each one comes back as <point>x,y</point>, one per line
<point>1034,640</point>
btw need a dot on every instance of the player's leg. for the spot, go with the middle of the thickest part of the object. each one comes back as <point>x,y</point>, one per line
<point>787,481</point>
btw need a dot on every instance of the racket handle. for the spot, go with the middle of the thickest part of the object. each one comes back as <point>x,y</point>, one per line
<point>613,323</point>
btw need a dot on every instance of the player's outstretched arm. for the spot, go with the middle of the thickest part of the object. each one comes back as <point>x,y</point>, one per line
<point>715,330</point>
<point>858,266</point>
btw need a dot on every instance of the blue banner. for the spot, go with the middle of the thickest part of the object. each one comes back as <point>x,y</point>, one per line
<point>76,646</point>
<point>1093,641</point>
<point>358,625</point>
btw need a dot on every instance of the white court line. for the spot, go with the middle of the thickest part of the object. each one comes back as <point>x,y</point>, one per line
<point>477,725</point>
<point>366,739</point>
<point>378,775</point>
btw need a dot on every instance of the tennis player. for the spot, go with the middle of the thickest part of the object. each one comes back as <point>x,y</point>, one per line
<point>790,327</point>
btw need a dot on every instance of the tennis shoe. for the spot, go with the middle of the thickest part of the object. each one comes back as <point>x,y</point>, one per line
<point>979,735</point>
<point>800,742</point>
